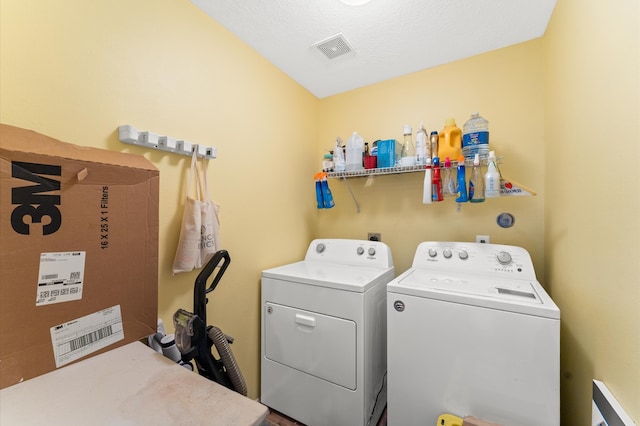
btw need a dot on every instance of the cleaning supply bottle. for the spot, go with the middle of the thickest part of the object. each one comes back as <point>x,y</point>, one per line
<point>428,182</point>
<point>476,182</point>
<point>448,184</point>
<point>436,181</point>
<point>450,140</point>
<point>434,142</point>
<point>492,178</point>
<point>355,151</point>
<point>319,199</point>
<point>462,182</point>
<point>423,148</point>
<point>327,197</point>
<point>475,137</point>
<point>338,156</point>
<point>408,153</point>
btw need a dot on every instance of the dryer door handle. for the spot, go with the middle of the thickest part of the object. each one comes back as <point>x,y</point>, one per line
<point>305,320</point>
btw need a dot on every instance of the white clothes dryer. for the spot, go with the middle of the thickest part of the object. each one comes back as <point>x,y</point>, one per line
<point>472,332</point>
<point>324,333</point>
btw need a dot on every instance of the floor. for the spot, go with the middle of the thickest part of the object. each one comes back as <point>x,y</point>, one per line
<point>277,419</point>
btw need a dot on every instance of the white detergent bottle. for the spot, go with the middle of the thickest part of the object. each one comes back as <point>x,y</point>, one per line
<point>355,152</point>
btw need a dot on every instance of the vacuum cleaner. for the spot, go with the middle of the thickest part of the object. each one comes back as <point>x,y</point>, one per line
<point>195,339</point>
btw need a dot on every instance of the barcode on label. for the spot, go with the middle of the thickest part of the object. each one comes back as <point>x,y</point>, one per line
<point>90,338</point>
<point>49,277</point>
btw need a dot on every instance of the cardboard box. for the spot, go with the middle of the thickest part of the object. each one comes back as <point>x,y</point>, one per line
<point>78,252</point>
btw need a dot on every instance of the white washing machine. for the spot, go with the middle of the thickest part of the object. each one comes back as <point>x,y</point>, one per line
<point>324,331</point>
<point>472,332</point>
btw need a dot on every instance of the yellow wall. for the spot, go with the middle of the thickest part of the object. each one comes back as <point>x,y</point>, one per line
<point>592,207</point>
<point>572,95</point>
<point>506,87</point>
<point>76,70</point>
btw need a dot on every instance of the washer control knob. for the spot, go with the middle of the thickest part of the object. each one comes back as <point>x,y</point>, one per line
<point>447,253</point>
<point>360,250</point>
<point>433,252</point>
<point>504,258</point>
<point>463,255</point>
<point>372,251</point>
<point>320,247</point>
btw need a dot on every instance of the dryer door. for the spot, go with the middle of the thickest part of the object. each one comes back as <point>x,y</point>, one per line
<point>320,345</point>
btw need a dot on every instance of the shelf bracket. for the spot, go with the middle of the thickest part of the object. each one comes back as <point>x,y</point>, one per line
<point>346,182</point>
<point>132,136</point>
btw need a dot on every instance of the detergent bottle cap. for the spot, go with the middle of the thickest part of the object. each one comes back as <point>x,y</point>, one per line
<point>450,122</point>
<point>406,129</point>
<point>461,160</point>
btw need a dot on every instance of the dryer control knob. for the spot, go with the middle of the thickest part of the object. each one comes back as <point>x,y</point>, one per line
<point>433,252</point>
<point>320,248</point>
<point>360,250</point>
<point>372,251</point>
<point>446,253</point>
<point>504,258</point>
<point>463,255</point>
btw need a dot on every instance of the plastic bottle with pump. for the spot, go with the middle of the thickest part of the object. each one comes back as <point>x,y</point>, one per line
<point>408,153</point>
<point>492,178</point>
<point>423,147</point>
<point>476,182</point>
<point>448,183</point>
<point>450,140</point>
<point>436,181</point>
<point>355,151</point>
<point>475,137</point>
<point>462,182</point>
<point>338,156</point>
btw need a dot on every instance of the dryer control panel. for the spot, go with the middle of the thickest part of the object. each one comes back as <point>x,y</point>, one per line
<point>496,260</point>
<point>350,252</point>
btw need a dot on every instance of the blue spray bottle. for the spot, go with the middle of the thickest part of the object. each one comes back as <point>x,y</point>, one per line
<point>462,182</point>
<point>319,191</point>
<point>327,197</point>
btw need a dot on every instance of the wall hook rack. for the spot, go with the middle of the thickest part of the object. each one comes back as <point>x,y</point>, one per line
<point>132,136</point>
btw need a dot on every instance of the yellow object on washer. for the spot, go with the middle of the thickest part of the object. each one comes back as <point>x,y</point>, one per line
<point>449,420</point>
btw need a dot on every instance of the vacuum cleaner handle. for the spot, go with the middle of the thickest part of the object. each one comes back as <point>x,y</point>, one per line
<point>201,289</point>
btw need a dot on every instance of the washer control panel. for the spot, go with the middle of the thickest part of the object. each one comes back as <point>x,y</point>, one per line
<point>351,252</point>
<point>462,257</point>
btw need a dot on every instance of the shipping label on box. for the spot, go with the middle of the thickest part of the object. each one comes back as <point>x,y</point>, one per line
<point>79,236</point>
<point>60,277</point>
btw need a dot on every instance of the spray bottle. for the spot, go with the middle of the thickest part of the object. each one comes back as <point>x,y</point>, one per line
<point>436,181</point>
<point>476,183</point>
<point>338,156</point>
<point>462,182</point>
<point>448,183</point>
<point>492,178</point>
<point>319,199</point>
<point>428,182</point>
<point>423,147</point>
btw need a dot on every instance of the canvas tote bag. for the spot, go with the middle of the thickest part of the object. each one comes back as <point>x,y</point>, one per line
<point>200,229</point>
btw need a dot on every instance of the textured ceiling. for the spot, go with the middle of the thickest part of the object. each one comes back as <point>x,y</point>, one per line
<point>389,38</point>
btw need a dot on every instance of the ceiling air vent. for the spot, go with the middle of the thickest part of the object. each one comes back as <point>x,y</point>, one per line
<point>334,46</point>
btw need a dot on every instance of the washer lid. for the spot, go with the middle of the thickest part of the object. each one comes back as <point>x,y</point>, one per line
<point>326,274</point>
<point>519,296</point>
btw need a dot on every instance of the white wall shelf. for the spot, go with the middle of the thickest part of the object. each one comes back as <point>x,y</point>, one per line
<point>507,188</point>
